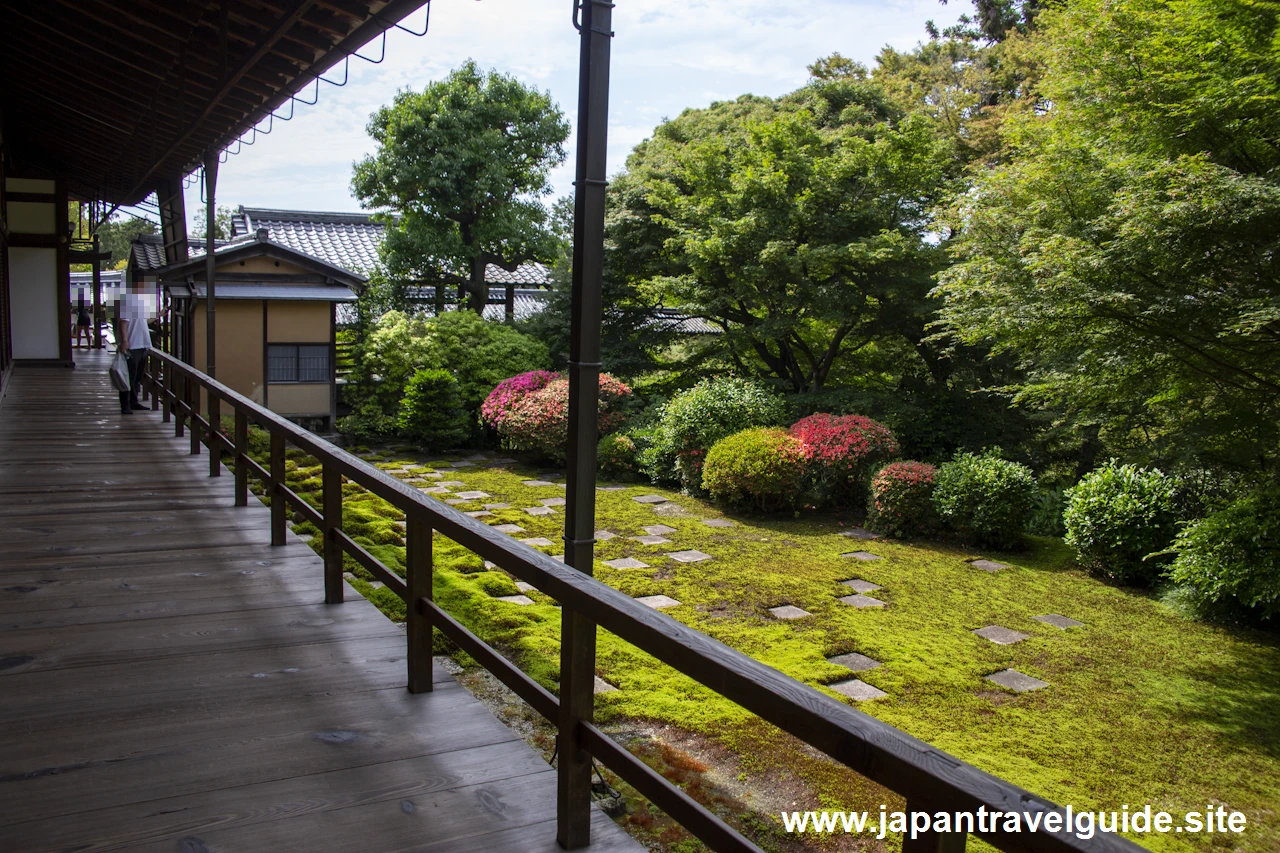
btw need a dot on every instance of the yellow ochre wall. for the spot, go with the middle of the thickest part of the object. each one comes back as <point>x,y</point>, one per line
<point>239,356</point>
<point>261,265</point>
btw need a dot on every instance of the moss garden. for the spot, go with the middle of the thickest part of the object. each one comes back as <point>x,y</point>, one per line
<point>1142,705</point>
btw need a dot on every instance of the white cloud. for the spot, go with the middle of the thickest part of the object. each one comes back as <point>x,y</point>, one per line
<point>667,55</point>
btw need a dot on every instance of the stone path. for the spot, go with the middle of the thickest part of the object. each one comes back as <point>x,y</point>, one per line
<point>853,661</point>
<point>1016,681</point>
<point>988,565</point>
<point>857,689</point>
<point>789,611</point>
<point>1001,636</point>
<point>657,602</point>
<point>865,556</point>
<point>860,585</point>
<point>860,601</point>
<point>1058,621</point>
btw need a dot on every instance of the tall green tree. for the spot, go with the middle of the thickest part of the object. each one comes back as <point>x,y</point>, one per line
<point>458,173</point>
<point>798,226</point>
<point>1127,253</point>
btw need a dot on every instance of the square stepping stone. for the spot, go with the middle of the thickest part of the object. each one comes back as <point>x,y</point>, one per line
<point>539,510</point>
<point>538,541</point>
<point>789,611</point>
<point>852,661</point>
<point>522,600</point>
<point>603,686</point>
<point>626,563</point>
<point>859,533</point>
<point>1016,681</point>
<point>610,488</point>
<point>689,556</point>
<point>480,513</point>
<point>857,689</point>
<point>454,501</point>
<point>451,483</point>
<point>497,506</point>
<point>651,540</point>
<point>988,565</point>
<point>860,585</point>
<point>717,522</point>
<point>525,587</point>
<point>605,535</point>
<point>1058,621</point>
<point>865,556</point>
<point>650,499</point>
<point>473,496</point>
<point>538,483</point>
<point>658,530</point>
<point>489,565</point>
<point>502,461</point>
<point>861,601</point>
<point>509,529</point>
<point>657,602</point>
<point>552,501</point>
<point>437,490</point>
<point>1001,636</point>
<point>432,475</point>
<point>464,463</point>
<point>477,457</point>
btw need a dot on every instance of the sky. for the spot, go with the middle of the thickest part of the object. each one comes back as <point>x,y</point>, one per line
<point>667,55</point>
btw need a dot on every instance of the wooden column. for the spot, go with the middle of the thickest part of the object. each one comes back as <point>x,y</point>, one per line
<point>211,228</point>
<point>97,342</point>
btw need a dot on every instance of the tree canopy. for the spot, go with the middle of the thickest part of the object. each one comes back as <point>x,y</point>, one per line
<point>458,173</point>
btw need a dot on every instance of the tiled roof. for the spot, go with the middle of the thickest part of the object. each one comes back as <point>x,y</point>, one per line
<point>528,301</point>
<point>292,292</point>
<point>349,240</point>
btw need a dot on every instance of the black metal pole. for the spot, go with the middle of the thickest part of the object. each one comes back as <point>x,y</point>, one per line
<point>211,226</point>
<point>578,631</point>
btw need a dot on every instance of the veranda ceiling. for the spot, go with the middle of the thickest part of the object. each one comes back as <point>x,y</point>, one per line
<point>115,94</point>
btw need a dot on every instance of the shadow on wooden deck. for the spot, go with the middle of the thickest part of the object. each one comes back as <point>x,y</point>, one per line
<point>170,682</point>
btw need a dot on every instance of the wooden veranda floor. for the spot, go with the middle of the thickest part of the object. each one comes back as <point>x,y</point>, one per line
<point>171,682</point>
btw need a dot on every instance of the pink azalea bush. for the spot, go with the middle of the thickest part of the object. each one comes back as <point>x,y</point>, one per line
<point>533,414</point>
<point>902,499</point>
<point>842,450</point>
<point>494,410</point>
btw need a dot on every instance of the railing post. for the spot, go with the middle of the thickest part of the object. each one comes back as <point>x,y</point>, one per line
<point>155,379</point>
<point>166,407</point>
<point>241,465</point>
<point>418,577</point>
<point>193,404</point>
<point>180,415</point>
<point>930,841</point>
<point>215,440</point>
<point>278,506</point>
<point>332,485</point>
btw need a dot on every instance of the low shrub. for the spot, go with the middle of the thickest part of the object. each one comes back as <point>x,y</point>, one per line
<point>538,421</point>
<point>1232,556</point>
<point>367,423</point>
<point>431,412</point>
<point>694,420</point>
<point>1046,512</point>
<point>842,451</point>
<point>1116,516</point>
<point>986,499</point>
<point>901,501</point>
<point>616,456</point>
<point>759,468</point>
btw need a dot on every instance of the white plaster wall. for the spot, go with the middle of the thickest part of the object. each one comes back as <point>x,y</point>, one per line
<point>33,293</point>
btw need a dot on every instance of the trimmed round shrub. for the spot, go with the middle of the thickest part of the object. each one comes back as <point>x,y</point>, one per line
<point>1117,515</point>
<point>616,456</point>
<point>986,499</point>
<point>503,398</point>
<point>431,411</point>
<point>1232,556</point>
<point>539,421</point>
<point>694,420</point>
<point>760,468</point>
<point>902,499</point>
<point>842,451</point>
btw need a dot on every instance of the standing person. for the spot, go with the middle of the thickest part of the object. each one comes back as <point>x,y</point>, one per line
<point>133,338</point>
<point>83,322</point>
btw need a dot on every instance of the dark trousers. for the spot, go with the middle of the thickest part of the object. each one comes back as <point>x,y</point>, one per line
<point>129,399</point>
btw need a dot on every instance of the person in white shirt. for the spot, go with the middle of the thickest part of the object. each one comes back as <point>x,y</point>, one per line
<point>133,339</point>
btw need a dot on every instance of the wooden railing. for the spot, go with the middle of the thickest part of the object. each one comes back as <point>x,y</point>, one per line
<point>929,779</point>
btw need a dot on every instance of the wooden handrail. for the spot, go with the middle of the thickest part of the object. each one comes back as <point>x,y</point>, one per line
<point>929,779</point>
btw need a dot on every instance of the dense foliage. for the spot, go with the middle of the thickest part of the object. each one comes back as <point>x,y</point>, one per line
<point>842,450</point>
<point>1117,517</point>
<point>760,468</point>
<point>431,412</point>
<point>985,498</point>
<point>901,501</point>
<point>457,172</point>
<point>616,456</point>
<point>1232,557</point>
<point>694,420</point>
<point>503,398</point>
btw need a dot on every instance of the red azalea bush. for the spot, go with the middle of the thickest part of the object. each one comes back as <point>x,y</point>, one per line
<point>760,468</point>
<point>842,450</point>
<point>902,499</point>
<point>496,407</point>
<point>538,420</point>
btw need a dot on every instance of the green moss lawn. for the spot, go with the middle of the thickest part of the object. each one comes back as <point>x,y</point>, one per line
<point>1143,705</point>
